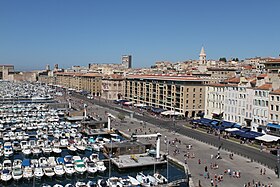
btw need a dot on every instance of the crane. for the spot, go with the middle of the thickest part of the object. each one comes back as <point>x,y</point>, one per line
<point>157,135</point>
<point>109,120</point>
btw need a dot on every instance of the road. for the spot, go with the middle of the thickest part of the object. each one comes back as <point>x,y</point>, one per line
<point>264,158</point>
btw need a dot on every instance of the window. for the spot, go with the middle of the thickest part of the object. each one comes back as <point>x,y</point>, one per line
<point>272,98</point>
<point>194,90</point>
<point>187,89</point>
<point>271,116</point>
<point>277,108</point>
<point>193,95</point>
<point>193,101</point>
<point>200,89</point>
<point>277,98</point>
<point>271,107</point>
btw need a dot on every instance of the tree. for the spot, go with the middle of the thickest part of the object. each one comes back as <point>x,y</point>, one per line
<point>223,59</point>
<point>121,116</point>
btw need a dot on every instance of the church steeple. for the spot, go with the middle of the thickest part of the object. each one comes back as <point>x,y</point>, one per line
<point>202,56</point>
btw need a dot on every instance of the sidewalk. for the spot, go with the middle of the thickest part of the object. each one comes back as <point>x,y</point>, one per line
<point>249,171</point>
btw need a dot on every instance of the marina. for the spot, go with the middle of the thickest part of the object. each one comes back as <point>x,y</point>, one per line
<point>41,146</point>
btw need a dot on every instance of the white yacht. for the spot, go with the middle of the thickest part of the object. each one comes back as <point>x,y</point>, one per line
<point>100,166</point>
<point>59,170</point>
<point>17,173</point>
<point>69,168</point>
<point>6,175</point>
<point>27,172</point>
<point>8,149</point>
<point>134,182</point>
<point>79,165</point>
<point>114,182</point>
<point>102,183</point>
<point>160,178</point>
<point>38,172</point>
<point>91,168</point>
<point>48,171</point>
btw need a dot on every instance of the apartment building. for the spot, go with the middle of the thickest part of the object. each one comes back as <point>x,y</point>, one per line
<point>274,106</point>
<point>184,94</point>
<point>89,82</point>
<point>112,87</point>
<point>230,100</point>
<point>221,73</point>
<point>260,107</point>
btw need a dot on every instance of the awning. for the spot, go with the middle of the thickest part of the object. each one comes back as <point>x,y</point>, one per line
<point>140,105</point>
<point>268,138</point>
<point>227,124</point>
<point>214,122</point>
<point>157,110</point>
<point>247,135</point>
<point>231,129</point>
<point>217,112</point>
<point>172,113</point>
<point>236,125</point>
<point>273,125</point>
<point>128,103</point>
<point>205,121</point>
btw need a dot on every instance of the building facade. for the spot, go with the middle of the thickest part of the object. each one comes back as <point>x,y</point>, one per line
<point>89,82</point>
<point>127,61</point>
<point>182,94</point>
<point>112,87</point>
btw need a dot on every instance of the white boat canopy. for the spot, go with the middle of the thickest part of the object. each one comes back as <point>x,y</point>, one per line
<point>268,138</point>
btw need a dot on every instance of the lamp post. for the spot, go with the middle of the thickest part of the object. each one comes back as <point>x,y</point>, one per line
<point>278,162</point>
<point>167,153</point>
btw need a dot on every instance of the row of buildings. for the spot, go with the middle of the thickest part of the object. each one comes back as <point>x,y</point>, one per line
<point>244,92</point>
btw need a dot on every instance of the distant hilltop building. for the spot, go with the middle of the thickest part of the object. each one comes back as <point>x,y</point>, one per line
<point>5,68</point>
<point>48,67</point>
<point>202,57</point>
<point>127,61</point>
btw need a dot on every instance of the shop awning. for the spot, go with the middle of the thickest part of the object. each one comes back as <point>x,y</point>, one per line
<point>268,138</point>
<point>217,112</point>
<point>171,113</point>
<point>157,110</point>
<point>273,125</point>
<point>128,103</point>
<point>140,105</point>
<point>231,129</point>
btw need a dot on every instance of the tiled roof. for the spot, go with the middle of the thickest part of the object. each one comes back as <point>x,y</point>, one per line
<point>233,80</point>
<point>276,92</point>
<point>165,77</point>
<point>79,74</point>
<point>222,85</point>
<point>262,75</point>
<point>264,87</point>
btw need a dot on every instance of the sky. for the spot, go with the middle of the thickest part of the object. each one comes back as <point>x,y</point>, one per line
<point>34,33</point>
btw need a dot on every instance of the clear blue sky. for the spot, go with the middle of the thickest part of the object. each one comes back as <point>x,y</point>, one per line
<point>34,33</point>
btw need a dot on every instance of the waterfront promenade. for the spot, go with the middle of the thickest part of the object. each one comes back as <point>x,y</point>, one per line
<point>249,171</point>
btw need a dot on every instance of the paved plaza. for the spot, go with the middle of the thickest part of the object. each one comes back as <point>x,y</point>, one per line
<point>231,172</point>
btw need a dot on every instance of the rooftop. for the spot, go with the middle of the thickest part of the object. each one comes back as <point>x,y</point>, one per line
<point>276,92</point>
<point>264,87</point>
<point>165,77</point>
